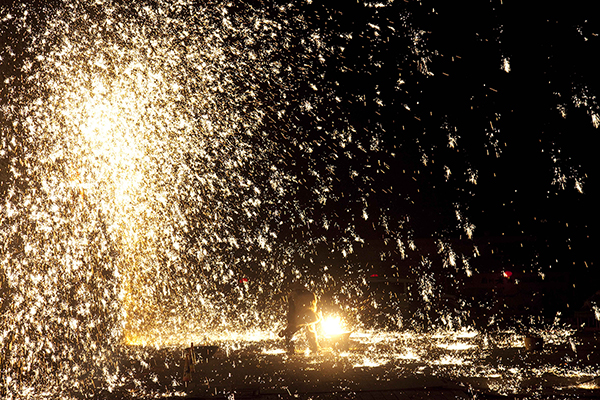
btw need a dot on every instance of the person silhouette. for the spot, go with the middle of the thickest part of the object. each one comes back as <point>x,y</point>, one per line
<point>302,313</point>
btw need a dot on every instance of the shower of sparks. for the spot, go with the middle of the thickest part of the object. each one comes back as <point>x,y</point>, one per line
<point>167,168</point>
<point>135,153</point>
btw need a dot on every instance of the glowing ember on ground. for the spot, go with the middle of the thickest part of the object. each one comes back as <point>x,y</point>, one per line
<point>381,357</point>
<point>456,346</point>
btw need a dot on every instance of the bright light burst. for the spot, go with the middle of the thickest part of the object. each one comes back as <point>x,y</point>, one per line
<point>332,325</point>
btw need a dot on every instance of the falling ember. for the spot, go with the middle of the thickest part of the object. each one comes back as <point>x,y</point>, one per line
<point>505,65</point>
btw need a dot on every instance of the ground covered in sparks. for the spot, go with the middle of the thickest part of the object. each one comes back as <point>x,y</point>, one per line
<point>477,363</point>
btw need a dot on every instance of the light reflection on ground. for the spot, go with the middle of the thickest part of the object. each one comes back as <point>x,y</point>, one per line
<point>495,363</point>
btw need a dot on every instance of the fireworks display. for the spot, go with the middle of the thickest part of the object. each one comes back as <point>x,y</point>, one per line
<point>168,168</point>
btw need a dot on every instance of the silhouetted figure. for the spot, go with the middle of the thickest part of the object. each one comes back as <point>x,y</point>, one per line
<point>302,312</point>
<point>189,365</point>
<point>593,302</point>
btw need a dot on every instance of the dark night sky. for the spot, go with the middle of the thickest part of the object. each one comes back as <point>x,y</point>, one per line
<point>551,61</point>
<point>514,205</point>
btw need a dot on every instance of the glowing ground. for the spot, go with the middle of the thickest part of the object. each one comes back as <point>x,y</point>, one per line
<point>465,363</point>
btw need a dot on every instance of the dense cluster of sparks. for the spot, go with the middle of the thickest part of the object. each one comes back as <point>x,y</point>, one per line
<point>133,157</point>
<point>161,164</point>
